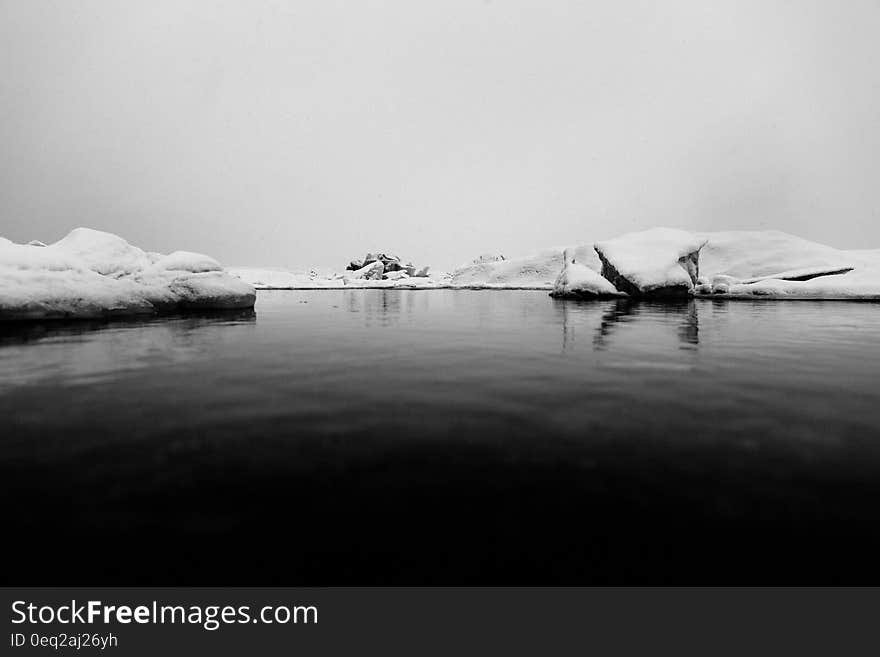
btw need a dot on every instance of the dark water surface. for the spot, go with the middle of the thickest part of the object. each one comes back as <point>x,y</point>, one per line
<point>353,437</point>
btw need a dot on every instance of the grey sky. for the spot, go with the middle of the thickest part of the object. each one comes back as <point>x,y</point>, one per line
<point>308,132</point>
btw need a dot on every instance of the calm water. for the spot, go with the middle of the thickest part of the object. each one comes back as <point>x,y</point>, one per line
<point>350,437</point>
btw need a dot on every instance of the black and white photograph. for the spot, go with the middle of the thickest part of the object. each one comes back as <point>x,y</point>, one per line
<point>312,293</point>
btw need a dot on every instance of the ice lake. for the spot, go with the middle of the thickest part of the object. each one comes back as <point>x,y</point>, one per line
<point>369,436</point>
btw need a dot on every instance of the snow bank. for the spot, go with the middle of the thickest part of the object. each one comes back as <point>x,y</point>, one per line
<point>776,265</point>
<point>90,274</point>
<point>104,253</point>
<point>186,261</point>
<point>284,279</point>
<point>656,262</point>
<point>270,279</point>
<point>761,254</point>
<point>402,283</point>
<point>537,272</point>
<point>860,283</point>
<point>862,286</point>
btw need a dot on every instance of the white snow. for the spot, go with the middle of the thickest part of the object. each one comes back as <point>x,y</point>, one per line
<point>91,274</point>
<point>538,271</point>
<point>649,260</point>
<point>104,253</point>
<point>863,282</point>
<point>270,279</point>
<point>371,272</point>
<point>752,264</point>
<point>580,280</point>
<point>732,264</point>
<point>487,257</point>
<point>800,274</point>
<point>284,279</point>
<point>186,261</point>
<point>757,254</point>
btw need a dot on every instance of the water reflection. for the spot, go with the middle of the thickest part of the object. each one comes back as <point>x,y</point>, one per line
<point>85,350</point>
<point>689,328</point>
<point>604,319</point>
<point>461,421</point>
<point>379,307</point>
<point>21,332</point>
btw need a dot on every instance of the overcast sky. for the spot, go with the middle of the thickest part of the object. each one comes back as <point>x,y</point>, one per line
<point>299,132</point>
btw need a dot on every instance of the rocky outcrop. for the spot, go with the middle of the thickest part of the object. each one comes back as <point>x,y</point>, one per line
<point>390,264</point>
<point>372,272</point>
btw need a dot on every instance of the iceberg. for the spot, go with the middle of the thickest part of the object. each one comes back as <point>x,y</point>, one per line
<point>777,265</point>
<point>762,254</point>
<point>580,281</point>
<point>724,264</point>
<point>93,274</point>
<point>662,262</point>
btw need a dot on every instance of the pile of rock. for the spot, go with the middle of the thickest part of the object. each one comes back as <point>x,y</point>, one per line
<point>379,266</point>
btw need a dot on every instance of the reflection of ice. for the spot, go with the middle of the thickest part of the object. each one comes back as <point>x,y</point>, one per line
<point>622,311</point>
<point>580,317</point>
<point>382,307</point>
<point>604,318</point>
<point>689,329</point>
<point>83,351</point>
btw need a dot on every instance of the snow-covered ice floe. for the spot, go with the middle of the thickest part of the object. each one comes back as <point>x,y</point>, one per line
<point>776,265</point>
<point>533,272</point>
<point>661,262</point>
<point>730,264</point>
<point>581,277</point>
<point>657,262</point>
<point>93,274</point>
